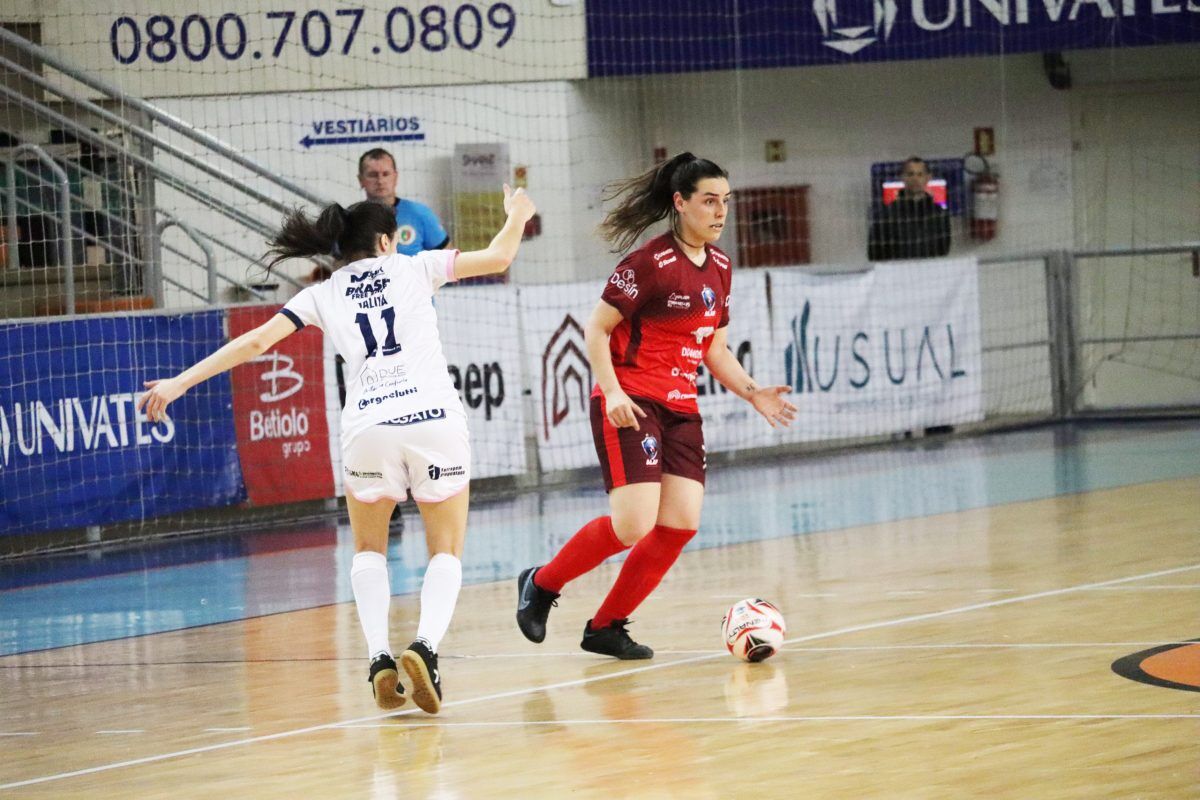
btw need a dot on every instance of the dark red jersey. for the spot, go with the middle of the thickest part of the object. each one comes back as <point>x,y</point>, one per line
<point>671,309</point>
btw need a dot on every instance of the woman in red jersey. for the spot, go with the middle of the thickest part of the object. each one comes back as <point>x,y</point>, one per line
<point>663,311</point>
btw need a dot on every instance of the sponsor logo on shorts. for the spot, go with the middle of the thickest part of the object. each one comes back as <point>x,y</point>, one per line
<point>650,448</point>
<point>417,416</point>
<point>354,473</point>
<point>436,472</point>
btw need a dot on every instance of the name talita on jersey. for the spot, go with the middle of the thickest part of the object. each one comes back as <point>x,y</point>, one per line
<point>373,302</point>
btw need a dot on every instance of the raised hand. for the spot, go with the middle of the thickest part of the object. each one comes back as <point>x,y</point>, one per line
<point>518,203</point>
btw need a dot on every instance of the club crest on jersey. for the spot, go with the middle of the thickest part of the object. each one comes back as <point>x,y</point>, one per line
<point>710,301</point>
<point>406,235</point>
<point>650,448</point>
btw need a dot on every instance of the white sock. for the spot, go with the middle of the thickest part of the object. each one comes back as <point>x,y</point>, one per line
<point>373,597</point>
<point>439,593</point>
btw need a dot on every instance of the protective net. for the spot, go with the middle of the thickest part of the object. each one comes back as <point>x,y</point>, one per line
<point>947,216</point>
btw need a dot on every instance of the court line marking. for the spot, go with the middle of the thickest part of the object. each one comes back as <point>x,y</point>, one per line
<point>1182,587</point>
<point>579,654</point>
<point>815,718</point>
<point>866,626</point>
<point>845,649</point>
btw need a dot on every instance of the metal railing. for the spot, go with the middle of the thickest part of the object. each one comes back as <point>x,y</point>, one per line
<point>66,256</point>
<point>157,162</point>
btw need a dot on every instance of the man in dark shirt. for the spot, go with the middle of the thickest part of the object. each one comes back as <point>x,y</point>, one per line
<point>912,225</point>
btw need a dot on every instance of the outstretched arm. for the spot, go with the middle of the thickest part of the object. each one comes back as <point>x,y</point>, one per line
<point>767,400</point>
<point>240,350</point>
<point>503,248</point>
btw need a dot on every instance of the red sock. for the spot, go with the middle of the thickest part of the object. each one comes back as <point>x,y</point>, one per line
<point>646,565</point>
<point>582,553</point>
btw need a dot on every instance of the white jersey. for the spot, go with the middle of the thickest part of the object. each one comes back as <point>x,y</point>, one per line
<point>379,314</point>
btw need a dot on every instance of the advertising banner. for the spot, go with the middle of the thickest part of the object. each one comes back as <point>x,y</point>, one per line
<point>760,34</point>
<point>481,340</point>
<point>556,362</point>
<point>74,452</point>
<point>279,413</point>
<point>893,349</point>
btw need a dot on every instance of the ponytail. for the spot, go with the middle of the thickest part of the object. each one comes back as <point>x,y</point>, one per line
<point>650,196</point>
<point>345,234</point>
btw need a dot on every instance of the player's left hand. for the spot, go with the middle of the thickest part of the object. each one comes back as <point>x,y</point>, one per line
<point>769,402</point>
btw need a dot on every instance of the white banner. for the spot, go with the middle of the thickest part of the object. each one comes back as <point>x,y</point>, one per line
<point>333,415</point>
<point>730,423</point>
<point>893,349</point>
<point>556,361</point>
<point>480,340</point>
<point>174,48</point>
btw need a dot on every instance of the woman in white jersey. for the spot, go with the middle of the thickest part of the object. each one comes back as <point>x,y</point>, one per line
<point>403,426</point>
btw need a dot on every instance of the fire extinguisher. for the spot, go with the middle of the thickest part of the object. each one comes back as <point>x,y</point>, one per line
<point>985,203</point>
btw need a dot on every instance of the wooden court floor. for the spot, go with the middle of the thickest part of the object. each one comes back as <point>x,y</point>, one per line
<point>960,655</point>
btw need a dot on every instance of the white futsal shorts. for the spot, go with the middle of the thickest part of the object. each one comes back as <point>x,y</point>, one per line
<point>427,453</point>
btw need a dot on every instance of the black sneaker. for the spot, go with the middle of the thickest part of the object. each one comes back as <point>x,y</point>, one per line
<point>421,664</point>
<point>614,641</point>
<point>385,682</point>
<point>533,606</point>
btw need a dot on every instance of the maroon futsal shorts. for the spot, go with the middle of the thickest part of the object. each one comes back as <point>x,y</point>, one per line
<point>668,442</point>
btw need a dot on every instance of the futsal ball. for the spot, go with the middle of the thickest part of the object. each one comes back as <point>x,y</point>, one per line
<point>753,629</point>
